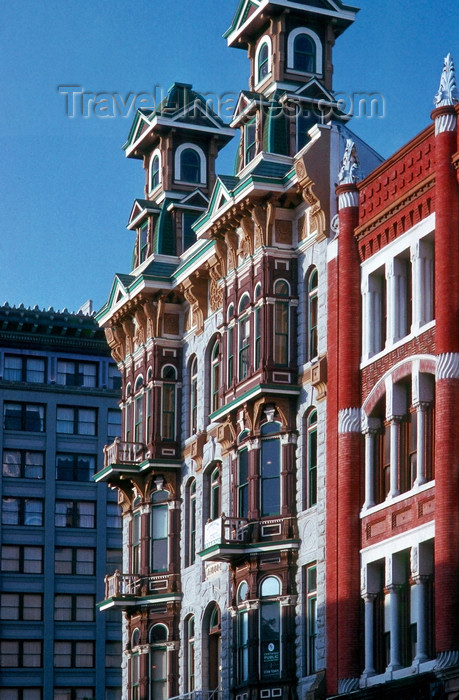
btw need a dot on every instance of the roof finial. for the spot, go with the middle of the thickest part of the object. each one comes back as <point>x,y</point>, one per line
<point>447,94</point>
<point>349,171</point>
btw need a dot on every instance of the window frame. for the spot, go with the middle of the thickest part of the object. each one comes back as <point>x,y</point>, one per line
<point>24,370</point>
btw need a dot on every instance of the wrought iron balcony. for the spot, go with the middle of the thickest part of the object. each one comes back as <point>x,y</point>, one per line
<point>125,590</point>
<point>226,538</point>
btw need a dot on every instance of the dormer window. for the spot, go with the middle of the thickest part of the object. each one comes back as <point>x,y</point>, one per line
<point>155,175</point>
<point>304,51</point>
<point>304,54</point>
<point>143,242</point>
<point>263,62</point>
<point>190,164</point>
<point>250,141</point>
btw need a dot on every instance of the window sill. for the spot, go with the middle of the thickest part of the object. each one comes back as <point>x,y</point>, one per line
<point>396,499</point>
<point>408,671</point>
<point>394,346</point>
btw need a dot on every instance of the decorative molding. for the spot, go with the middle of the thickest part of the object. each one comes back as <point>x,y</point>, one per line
<point>447,366</point>
<point>349,420</point>
<point>445,123</point>
<point>446,659</point>
<point>349,173</point>
<point>348,199</point>
<point>447,94</point>
<point>347,685</point>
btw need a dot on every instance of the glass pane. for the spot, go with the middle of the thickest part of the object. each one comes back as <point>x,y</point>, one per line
<point>11,463</point>
<point>160,559</point>
<point>10,511</point>
<point>158,664</point>
<point>270,587</point>
<point>84,652</point>
<point>63,608</point>
<point>32,607</point>
<point>85,562</point>
<point>10,558</point>
<point>13,368</point>
<point>13,416</point>
<point>33,511</point>
<point>85,514</point>
<point>31,654</point>
<point>86,421</point>
<point>84,608</point>
<point>33,560</point>
<point>63,560</point>
<point>34,417</point>
<point>33,467</point>
<point>9,606</point>
<point>160,521</point>
<point>65,420</point>
<point>35,370</point>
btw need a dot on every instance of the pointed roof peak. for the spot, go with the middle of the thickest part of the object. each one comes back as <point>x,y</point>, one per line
<point>447,94</point>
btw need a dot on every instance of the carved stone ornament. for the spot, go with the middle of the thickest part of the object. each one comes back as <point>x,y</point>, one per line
<point>447,94</point>
<point>350,166</point>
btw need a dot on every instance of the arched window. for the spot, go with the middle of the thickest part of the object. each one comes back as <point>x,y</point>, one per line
<point>313,281</point>
<point>242,634</point>
<point>270,628</point>
<point>191,554</point>
<point>158,662</point>
<point>193,396</point>
<point>311,458</point>
<point>159,531</point>
<point>135,665</point>
<point>304,54</point>
<point>281,324</point>
<point>169,376</point>
<point>215,377</point>
<point>270,470</point>
<point>244,337</point>
<point>190,166</point>
<point>215,493</point>
<point>190,667</point>
<point>263,62</point>
<point>214,635</point>
<point>155,175</point>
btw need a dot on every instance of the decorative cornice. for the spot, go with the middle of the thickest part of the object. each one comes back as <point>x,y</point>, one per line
<point>447,366</point>
<point>447,94</point>
<point>349,420</point>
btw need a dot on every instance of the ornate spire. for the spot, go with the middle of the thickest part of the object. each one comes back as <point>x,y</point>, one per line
<point>447,94</point>
<point>349,171</point>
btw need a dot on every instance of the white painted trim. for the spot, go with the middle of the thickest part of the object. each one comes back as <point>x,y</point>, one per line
<point>265,39</point>
<point>155,153</point>
<point>290,53</point>
<point>177,164</point>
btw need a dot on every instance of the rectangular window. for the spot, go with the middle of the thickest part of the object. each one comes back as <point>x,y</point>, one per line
<point>74,561</point>
<point>113,560</point>
<point>24,369</point>
<point>22,559</point>
<point>244,347</point>
<point>168,412</point>
<point>250,141</point>
<point>74,654</point>
<point>143,242</point>
<point>72,467</point>
<point>74,608</point>
<point>23,464</point>
<point>21,653</point>
<point>22,511</point>
<point>310,584</point>
<point>281,333</point>
<point>270,468</point>
<point>74,694</point>
<point>21,606</point>
<point>138,419</point>
<point>113,654</point>
<point>114,377</point>
<point>189,236</point>
<point>230,350</point>
<point>114,515</point>
<point>243,484</point>
<point>75,373</point>
<point>21,694</point>
<point>75,514</point>
<point>76,421</point>
<point>113,423</point>
<point>28,417</point>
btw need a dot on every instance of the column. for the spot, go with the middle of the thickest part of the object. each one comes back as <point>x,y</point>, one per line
<point>369,600</point>
<point>419,584</point>
<point>370,431</point>
<point>447,376</point>
<point>393,590</point>
<point>420,444</point>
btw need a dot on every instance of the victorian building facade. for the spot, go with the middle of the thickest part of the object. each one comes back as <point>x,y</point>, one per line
<point>60,533</point>
<point>276,462</point>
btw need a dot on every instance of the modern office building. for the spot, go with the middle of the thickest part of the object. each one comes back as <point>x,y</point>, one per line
<point>60,532</point>
<point>282,385</point>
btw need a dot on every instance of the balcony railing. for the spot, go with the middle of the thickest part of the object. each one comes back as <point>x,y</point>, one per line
<point>123,453</point>
<point>118,585</point>
<point>228,531</point>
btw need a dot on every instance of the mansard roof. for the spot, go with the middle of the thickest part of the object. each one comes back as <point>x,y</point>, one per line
<point>251,16</point>
<point>182,107</point>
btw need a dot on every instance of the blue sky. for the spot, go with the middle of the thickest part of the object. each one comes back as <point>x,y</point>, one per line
<point>66,188</point>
